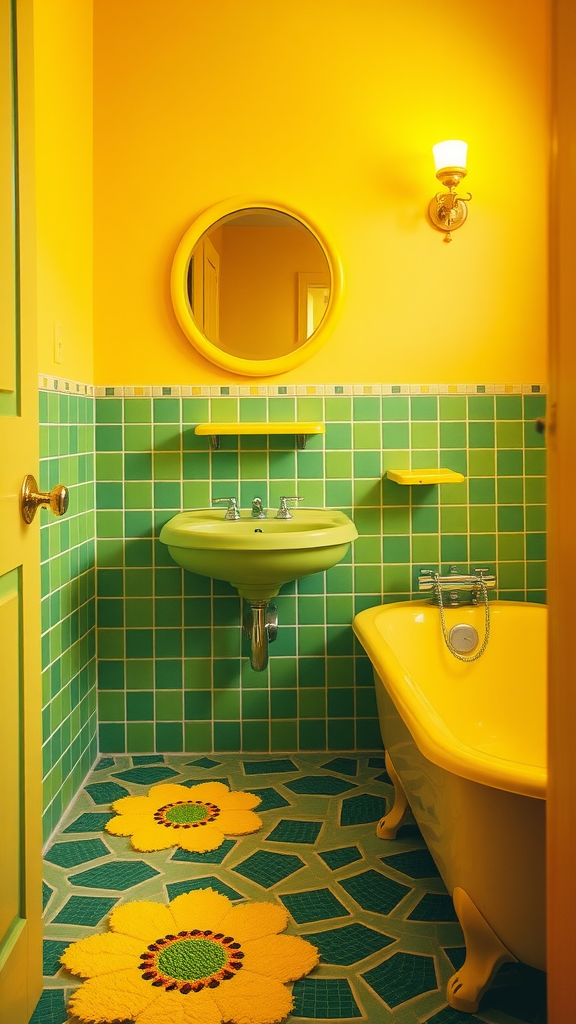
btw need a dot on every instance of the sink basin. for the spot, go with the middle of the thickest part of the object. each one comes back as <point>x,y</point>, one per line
<point>257,556</point>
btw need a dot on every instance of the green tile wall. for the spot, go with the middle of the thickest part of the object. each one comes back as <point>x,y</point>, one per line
<point>68,602</point>
<point>172,668</point>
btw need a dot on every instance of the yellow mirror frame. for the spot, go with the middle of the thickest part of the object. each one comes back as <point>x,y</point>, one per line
<point>178,288</point>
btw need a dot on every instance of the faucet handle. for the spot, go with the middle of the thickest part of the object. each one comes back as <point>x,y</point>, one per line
<point>284,511</point>
<point>486,576</point>
<point>232,510</point>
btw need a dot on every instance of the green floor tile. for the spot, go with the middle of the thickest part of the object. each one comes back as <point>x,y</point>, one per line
<point>68,855</point>
<point>46,894</point>
<point>290,831</point>
<point>314,905</point>
<point>139,759</point>
<point>269,767</point>
<point>375,891</point>
<point>403,976</point>
<point>106,792</point>
<point>324,999</point>
<point>357,810</point>
<point>434,907</point>
<point>268,868</point>
<point>84,910</point>
<point>270,799</point>
<point>348,945</point>
<point>212,857</point>
<point>415,863</point>
<point>88,822</point>
<point>211,882</point>
<point>344,765</point>
<point>319,785</point>
<point>118,874</point>
<point>341,857</point>
<point>52,950</point>
<point>203,762</point>
<point>146,776</point>
<point>51,1008</point>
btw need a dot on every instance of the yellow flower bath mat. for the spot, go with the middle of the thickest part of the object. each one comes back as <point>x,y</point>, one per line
<point>200,960</point>
<point>196,818</point>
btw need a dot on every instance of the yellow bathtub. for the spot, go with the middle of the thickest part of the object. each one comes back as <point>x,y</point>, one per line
<point>465,748</point>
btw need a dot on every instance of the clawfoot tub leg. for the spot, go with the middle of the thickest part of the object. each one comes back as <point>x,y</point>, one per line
<point>388,826</point>
<point>484,955</point>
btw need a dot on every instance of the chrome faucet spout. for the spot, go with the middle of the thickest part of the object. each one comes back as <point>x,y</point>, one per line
<point>257,510</point>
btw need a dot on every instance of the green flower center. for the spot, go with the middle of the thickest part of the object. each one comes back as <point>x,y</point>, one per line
<point>192,959</point>
<point>186,814</point>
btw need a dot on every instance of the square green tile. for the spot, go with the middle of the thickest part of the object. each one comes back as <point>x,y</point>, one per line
<point>452,407</point>
<point>424,407</point>
<point>481,435</point>
<point>395,407</point>
<point>509,434</point>
<point>424,435</point>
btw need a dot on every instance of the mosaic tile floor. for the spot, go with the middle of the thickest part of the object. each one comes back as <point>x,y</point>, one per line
<point>377,909</point>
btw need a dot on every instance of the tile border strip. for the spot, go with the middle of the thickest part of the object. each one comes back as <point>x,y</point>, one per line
<point>47,382</point>
<point>312,390</point>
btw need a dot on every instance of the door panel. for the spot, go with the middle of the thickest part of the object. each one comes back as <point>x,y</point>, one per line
<point>20,711</point>
<point>11,909</point>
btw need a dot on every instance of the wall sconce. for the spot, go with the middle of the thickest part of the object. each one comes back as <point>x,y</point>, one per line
<point>448,210</point>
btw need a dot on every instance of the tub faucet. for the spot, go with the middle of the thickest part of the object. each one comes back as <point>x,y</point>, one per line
<point>455,582</point>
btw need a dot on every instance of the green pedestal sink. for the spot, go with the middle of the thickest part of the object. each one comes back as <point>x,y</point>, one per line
<point>257,556</point>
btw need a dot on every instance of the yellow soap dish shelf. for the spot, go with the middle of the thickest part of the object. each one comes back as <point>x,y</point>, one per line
<point>424,476</point>
<point>301,430</point>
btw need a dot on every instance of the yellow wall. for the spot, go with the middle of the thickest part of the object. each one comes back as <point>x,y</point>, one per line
<point>64,173</point>
<point>198,101</point>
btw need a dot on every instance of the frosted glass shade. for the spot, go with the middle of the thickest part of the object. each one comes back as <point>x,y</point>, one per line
<point>451,153</point>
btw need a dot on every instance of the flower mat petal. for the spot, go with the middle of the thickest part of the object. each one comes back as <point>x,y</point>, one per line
<point>152,836</point>
<point>127,824</point>
<point>167,793</point>
<point>254,920</point>
<point>239,823</point>
<point>239,801</point>
<point>118,996</point>
<point>173,1008</point>
<point>101,954</point>
<point>201,908</point>
<point>134,805</point>
<point>143,920</point>
<point>283,957</point>
<point>212,792</point>
<point>248,999</point>
<point>199,840</point>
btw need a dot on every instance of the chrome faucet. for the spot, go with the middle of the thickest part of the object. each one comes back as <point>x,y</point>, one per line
<point>284,512</point>
<point>232,510</point>
<point>257,510</point>
<point>455,582</point>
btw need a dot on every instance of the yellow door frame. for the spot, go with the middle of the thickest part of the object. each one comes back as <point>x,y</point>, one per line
<point>561,431</point>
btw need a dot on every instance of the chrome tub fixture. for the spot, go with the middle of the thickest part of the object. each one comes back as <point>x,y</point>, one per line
<point>478,583</point>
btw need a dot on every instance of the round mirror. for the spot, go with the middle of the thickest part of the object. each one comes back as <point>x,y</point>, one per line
<point>255,287</point>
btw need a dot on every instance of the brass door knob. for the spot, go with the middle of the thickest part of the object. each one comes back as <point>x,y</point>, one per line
<point>32,499</point>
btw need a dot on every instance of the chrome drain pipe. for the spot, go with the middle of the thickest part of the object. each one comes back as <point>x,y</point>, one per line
<point>260,625</point>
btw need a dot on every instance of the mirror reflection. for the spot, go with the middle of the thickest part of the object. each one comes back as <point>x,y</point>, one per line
<point>258,284</point>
